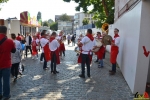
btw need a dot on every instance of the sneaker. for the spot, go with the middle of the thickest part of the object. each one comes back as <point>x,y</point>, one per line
<point>41,61</point>
<point>82,76</point>
<point>1,96</point>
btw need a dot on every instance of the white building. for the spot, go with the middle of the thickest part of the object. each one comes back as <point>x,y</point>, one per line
<point>132,18</point>
<point>78,18</point>
<point>66,26</point>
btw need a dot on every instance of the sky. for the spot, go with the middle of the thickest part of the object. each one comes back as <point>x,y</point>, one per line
<point>48,8</point>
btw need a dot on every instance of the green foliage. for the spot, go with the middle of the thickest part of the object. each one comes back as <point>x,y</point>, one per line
<point>54,26</point>
<point>85,21</point>
<point>3,1</point>
<point>103,10</point>
<point>45,23</point>
<point>64,17</point>
<point>50,21</point>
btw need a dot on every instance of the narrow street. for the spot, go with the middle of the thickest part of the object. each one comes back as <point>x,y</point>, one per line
<point>37,84</point>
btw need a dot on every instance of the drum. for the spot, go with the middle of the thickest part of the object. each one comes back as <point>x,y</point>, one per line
<point>107,40</point>
<point>98,44</point>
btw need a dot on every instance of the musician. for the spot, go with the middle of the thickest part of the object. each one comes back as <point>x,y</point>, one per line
<point>99,37</point>
<point>114,51</point>
<point>44,42</point>
<point>62,46</point>
<point>87,44</point>
<point>54,47</point>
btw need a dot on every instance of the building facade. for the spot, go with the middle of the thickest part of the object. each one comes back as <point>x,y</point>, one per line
<point>79,17</point>
<point>66,26</point>
<point>132,20</point>
<point>58,16</point>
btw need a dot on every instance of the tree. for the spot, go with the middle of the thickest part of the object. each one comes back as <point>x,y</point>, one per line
<point>39,16</point>
<point>85,21</point>
<point>64,17</point>
<point>54,26</point>
<point>50,21</point>
<point>2,1</point>
<point>103,10</point>
<point>45,23</point>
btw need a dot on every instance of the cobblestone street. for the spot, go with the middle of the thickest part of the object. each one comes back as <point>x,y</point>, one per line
<point>38,84</point>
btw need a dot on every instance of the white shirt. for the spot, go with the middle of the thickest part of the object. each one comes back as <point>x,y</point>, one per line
<point>27,41</point>
<point>117,41</point>
<point>43,42</point>
<point>87,46</point>
<point>54,45</point>
<point>37,41</point>
<point>17,44</point>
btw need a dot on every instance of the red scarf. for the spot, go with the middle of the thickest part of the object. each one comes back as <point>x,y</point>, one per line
<point>52,38</point>
<point>116,35</point>
<point>90,36</point>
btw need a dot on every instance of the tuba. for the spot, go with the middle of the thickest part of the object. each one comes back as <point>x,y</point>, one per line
<point>105,28</point>
<point>107,38</point>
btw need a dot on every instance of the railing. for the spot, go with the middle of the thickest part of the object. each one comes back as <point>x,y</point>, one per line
<point>129,5</point>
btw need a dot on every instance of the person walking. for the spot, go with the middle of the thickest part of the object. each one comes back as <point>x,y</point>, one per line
<point>7,47</point>
<point>69,38</point>
<point>15,57</point>
<point>28,43</point>
<point>73,39</point>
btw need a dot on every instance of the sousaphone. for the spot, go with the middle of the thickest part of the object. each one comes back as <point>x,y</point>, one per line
<point>106,38</point>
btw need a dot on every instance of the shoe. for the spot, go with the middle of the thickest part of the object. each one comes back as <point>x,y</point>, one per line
<point>1,96</point>
<point>57,71</point>
<point>100,66</point>
<point>54,72</point>
<point>82,76</point>
<point>112,73</point>
<point>15,79</point>
<point>45,68</point>
<point>6,98</point>
<point>96,61</point>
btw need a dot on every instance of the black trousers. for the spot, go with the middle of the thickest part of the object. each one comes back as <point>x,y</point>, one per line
<point>28,47</point>
<point>42,56</point>
<point>68,42</point>
<point>45,62</point>
<point>53,61</point>
<point>85,60</point>
<point>15,69</point>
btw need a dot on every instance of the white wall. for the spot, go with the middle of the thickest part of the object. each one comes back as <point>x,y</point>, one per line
<point>144,40</point>
<point>15,27</point>
<point>129,26</point>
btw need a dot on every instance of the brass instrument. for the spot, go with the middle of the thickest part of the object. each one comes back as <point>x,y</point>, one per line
<point>106,38</point>
<point>105,28</point>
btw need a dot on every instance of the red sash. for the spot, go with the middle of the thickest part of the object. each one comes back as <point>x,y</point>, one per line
<point>80,57</point>
<point>56,52</point>
<point>47,52</point>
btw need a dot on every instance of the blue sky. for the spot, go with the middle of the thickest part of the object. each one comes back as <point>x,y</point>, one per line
<point>48,8</point>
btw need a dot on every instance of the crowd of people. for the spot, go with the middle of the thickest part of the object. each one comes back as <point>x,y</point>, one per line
<point>52,45</point>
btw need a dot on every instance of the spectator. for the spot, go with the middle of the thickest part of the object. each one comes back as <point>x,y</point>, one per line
<point>18,37</point>
<point>6,47</point>
<point>15,57</point>
<point>73,39</point>
<point>28,43</point>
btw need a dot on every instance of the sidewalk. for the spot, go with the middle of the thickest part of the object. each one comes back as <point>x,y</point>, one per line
<point>37,84</point>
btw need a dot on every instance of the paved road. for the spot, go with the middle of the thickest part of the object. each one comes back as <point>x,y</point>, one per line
<point>37,84</point>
